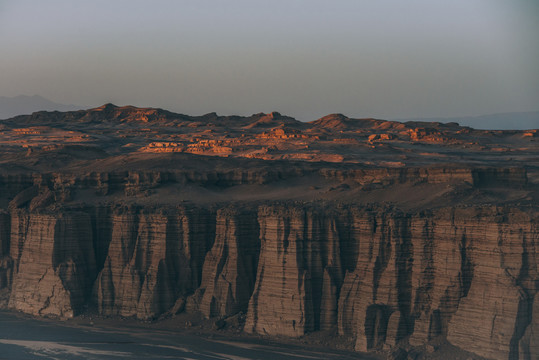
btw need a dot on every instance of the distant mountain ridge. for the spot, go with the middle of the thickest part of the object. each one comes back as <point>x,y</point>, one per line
<point>501,121</point>
<point>25,105</point>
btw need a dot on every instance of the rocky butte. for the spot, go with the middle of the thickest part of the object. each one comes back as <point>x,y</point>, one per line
<point>401,236</point>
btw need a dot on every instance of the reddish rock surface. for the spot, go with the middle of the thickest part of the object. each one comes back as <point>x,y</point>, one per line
<point>401,236</point>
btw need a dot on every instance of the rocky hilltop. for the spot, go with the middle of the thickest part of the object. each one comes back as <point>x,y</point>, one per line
<point>402,236</point>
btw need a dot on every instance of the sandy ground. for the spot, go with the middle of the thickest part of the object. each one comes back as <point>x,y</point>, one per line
<point>185,336</point>
<point>24,337</point>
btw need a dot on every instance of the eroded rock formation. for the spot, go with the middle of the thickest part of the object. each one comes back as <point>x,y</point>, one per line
<point>55,266</point>
<point>152,259</point>
<point>385,276</point>
<point>398,235</point>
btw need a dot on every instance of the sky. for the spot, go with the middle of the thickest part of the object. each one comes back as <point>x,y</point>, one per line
<point>304,58</point>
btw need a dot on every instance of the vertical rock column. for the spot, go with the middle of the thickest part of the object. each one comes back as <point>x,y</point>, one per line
<point>229,270</point>
<point>496,311</point>
<point>300,271</point>
<point>56,265</point>
<point>441,272</point>
<point>528,345</point>
<point>18,233</point>
<point>153,258</point>
<point>375,296</point>
<point>281,303</point>
<point>6,264</point>
<point>331,236</point>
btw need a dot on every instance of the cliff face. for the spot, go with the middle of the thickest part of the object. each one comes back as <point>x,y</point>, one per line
<point>386,277</point>
<point>229,271</point>
<point>54,262</point>
<point>144,213</point>
<point>299,272</point>
<point>35,188</point>
<point>152,259</point>
<point>468,275</point>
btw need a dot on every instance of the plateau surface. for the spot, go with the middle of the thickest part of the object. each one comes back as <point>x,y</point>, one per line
<point>405,239</point>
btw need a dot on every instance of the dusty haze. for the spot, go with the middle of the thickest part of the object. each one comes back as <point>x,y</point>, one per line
<point>303,58</point>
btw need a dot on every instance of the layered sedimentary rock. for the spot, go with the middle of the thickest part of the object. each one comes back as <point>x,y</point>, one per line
<point>501,286</point>
<point>282,301</point>
<point>385,276</point>
<point>45,188</point>
<point>528,345</point>
<point>394,234</point>
<point>6,263</point>
<point>55,266</point>
<point>299,272</point>
<point>229,271</point>
<point>152,259</point>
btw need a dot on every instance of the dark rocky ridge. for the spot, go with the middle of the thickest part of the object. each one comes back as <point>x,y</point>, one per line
<point>395,234</point>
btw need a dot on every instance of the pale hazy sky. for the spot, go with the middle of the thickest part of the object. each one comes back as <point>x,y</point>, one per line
<point>304,58</point>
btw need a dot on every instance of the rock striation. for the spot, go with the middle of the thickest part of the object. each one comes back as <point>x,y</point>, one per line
<point>229,271</point>
<point>384,276</point>
<point>403,236</point>
<point>152,259</point>
<point>55,264</point>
